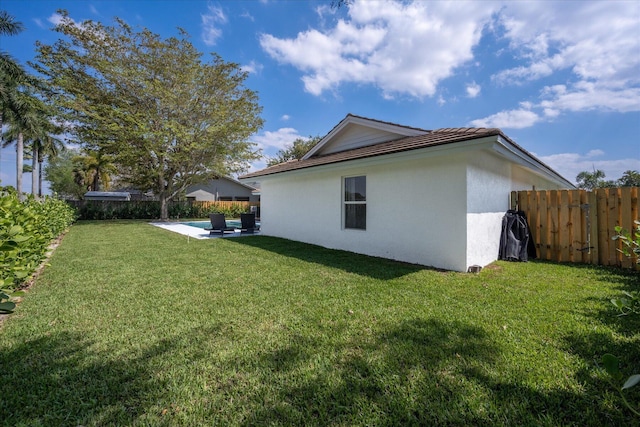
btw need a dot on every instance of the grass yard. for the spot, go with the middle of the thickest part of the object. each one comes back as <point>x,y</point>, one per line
<point>131,325</point>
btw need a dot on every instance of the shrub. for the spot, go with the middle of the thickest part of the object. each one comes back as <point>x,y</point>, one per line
<point>628,304</point>
<point>26,230</point>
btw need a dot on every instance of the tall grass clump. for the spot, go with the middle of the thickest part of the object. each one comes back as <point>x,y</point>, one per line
<point>26,230</point>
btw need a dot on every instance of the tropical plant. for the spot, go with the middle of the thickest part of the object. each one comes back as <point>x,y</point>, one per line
<point>627,304</point>
<point>33,128</point>
<point>629,178</point>
<point>11,73</point>
<point>630,243</point>
<point>590,180</point>
<point>93,170</point>
<point>169,119</point>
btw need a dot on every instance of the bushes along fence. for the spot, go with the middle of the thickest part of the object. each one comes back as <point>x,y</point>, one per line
<point>109,209</point>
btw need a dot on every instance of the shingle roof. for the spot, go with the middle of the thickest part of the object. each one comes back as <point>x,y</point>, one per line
<point>430,139</point>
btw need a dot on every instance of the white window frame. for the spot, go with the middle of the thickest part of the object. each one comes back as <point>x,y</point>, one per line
<point>344,203</point>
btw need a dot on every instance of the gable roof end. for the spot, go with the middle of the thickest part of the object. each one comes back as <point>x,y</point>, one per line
<point>352,119</point>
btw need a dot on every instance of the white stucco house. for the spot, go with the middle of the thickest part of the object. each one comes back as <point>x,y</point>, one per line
<point>223,188</point>
<point>434,198</point>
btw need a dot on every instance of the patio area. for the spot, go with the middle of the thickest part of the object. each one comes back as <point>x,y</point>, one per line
<point>199,233</point>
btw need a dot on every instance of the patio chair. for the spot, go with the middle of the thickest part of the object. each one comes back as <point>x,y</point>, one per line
<point>248,223</point>
<point>219,225</point>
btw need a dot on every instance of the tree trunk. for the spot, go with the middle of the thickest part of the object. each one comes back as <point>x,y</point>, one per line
<point>19,164</point>
<point>164,207</point>
<point>95,186</point>
<point>40,161</point>
<point>34,169</point>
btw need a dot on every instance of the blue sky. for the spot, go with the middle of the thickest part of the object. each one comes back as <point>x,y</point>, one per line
<point>562,79</point>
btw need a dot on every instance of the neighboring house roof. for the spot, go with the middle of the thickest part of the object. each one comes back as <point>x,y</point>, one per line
<point>423,139</point>
<point>226,178</point>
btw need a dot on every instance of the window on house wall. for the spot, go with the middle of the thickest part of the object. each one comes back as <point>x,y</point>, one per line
<point>242,199</point>
<point>355,202</point>
<point>225,199</point>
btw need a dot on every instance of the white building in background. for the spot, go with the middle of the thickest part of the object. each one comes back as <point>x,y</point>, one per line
<point>223,189</point>
<point>433,198</point>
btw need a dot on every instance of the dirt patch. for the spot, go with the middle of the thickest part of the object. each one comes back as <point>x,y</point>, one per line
<point>493,266</point>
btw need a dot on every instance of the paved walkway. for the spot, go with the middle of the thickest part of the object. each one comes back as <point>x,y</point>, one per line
<point>196,232</point>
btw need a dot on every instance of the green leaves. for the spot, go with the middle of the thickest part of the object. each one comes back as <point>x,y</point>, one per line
<point>630,303</point>
<point>26,229</point>
<point>611,365</point>
<point>6,306</point>
<point>169,118</point>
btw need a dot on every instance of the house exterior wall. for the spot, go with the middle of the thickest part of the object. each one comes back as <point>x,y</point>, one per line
<point>490,181</point>
<point>416,209</point>
<point>488,187</point>
<point>207,192</point>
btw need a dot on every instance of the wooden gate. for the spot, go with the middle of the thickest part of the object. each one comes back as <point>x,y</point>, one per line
<point>578,225</point>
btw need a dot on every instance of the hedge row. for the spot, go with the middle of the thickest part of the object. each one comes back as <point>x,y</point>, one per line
<point>27,228</point>
<point>99,210</point>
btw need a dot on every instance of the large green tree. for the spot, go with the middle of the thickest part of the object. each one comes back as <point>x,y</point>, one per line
<point>294,151</point>
<point>168,118</point>
<point>60,172</point>
<point>592,180</point>
<point>629,179</point>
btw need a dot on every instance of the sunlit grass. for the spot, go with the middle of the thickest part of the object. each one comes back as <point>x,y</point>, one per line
<point>134,325</point>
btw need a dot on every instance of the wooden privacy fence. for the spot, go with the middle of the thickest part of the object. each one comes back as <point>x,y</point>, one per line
<point>578,225</point>
<point>224,204</point>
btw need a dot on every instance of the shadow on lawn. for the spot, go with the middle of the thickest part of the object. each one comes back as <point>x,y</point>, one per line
<point>61,380</point>
<point>419,372</point>
<point>377,268</point>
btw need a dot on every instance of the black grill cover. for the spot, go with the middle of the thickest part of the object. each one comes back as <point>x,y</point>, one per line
<point>515,240</point>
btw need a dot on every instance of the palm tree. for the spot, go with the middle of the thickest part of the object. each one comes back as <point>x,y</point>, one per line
<point>47,147</point>
<point>11,73</point>
<point>11,76</point>
<point>94,170</point>
<point>31,126</point>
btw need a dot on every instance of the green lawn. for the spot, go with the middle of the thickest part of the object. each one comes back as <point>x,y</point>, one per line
<point>134,325</point>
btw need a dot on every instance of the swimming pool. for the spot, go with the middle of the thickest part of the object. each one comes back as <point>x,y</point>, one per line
<point>203,224</point>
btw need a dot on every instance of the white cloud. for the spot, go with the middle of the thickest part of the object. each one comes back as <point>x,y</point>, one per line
<point>585,96</point>
<point>402,48</point>
<point>276,140</point>
<point>570,165</point>
<point>410,47</point>
<point>56,19</point>
<point>252,67</point>
<point>509,119</point>
<point>473,90</point>
<point>210,25</point>
<point>597,42</point>
<point>285,117</point>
